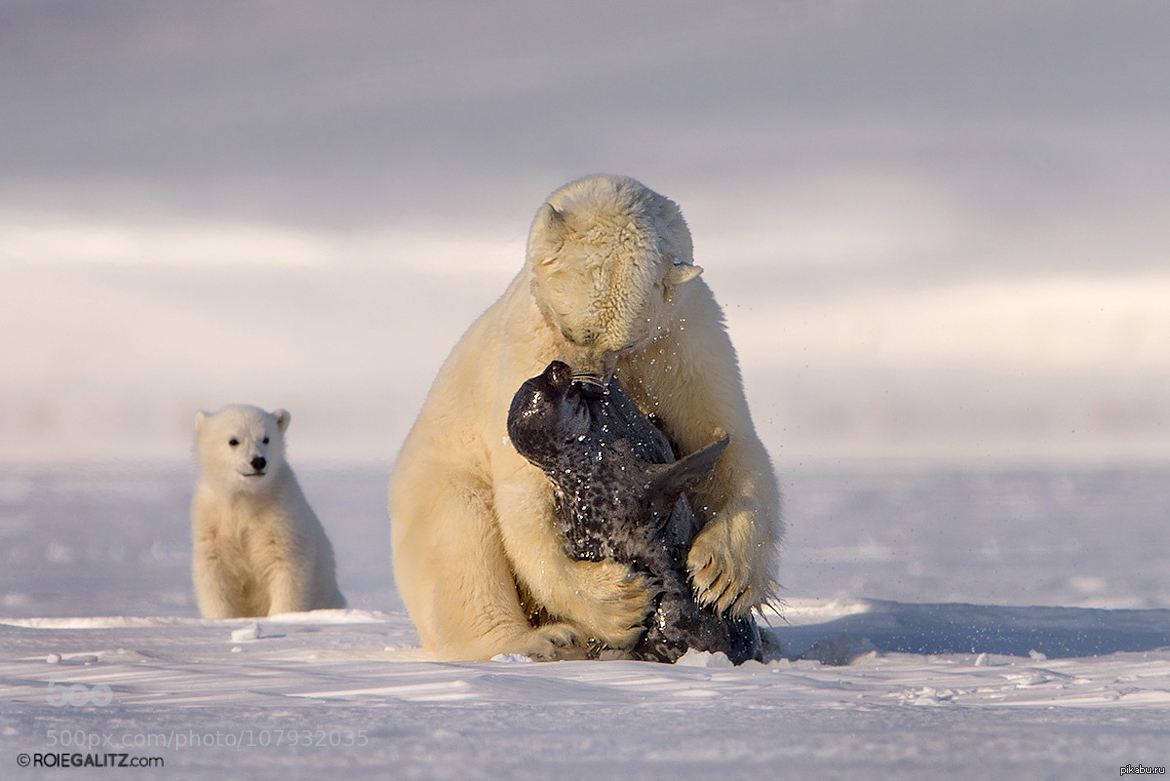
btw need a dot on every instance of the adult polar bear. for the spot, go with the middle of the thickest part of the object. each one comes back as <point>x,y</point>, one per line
<point>608,287</point>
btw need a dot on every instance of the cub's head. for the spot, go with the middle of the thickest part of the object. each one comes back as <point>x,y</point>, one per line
<point>241,448</point>
<point>610,259</point>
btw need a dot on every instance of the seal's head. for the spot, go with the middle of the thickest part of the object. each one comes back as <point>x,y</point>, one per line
<point>550,411</point>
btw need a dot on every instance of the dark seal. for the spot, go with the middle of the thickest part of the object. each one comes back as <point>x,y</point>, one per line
<point>620,495</point>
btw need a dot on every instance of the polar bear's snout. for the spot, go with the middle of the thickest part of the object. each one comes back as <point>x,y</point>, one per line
<point>253,467</point>
<point>596,368</point>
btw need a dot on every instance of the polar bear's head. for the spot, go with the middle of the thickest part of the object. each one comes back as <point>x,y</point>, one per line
<point>610,259</point>
<point>241,448</point>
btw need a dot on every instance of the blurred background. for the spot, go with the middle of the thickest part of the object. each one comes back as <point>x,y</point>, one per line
<point>939,231</point>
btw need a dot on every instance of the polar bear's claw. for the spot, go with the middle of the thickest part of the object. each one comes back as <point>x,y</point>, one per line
<point>722,581</point>
<point>553,642</point>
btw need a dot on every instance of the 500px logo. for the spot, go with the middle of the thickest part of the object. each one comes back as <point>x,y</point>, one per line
<point>78,694</point>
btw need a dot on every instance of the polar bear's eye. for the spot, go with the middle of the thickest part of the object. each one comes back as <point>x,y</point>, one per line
<point>233,442</point>
<point>265,440</point>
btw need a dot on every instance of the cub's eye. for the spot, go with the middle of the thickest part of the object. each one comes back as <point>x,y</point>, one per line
<point>233,442</point>
<point>265,440</point>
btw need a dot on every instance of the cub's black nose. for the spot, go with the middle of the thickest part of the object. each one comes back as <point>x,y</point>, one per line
<point>258,463</point>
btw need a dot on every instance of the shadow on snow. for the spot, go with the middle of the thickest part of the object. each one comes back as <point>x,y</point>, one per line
<point>896,627</point>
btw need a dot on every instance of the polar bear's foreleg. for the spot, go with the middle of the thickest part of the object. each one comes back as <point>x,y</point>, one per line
<point>732,560</point>
<point>456,581</point>
<point>287,592</point>
<point>213,593</point>
<point>606,601</point>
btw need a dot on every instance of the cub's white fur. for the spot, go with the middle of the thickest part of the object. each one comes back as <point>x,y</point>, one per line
<point>258,547</point>
<point>609,286</point>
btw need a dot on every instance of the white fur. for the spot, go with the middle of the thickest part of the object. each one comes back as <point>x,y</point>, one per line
<point>258,547</point>
<point>608,286</point>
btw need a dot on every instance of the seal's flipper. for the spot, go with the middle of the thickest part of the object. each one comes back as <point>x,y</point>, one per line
<point>683,525</point>
<point>668,481</point>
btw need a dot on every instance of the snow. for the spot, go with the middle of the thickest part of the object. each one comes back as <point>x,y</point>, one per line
<point>926,681</point>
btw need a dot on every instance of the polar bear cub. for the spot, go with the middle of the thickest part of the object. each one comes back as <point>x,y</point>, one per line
<point>258,547</point>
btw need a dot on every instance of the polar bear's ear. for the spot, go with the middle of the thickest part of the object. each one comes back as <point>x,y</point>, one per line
<point>283,418</point>
<point>550,229</point>
<point>200,416</point>
<point>551,221</point>
<point>682,273</point>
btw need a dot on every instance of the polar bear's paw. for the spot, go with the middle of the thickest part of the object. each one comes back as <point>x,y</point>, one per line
<point>721,577</point>
<point>615,602</point>
<point>552,642</point>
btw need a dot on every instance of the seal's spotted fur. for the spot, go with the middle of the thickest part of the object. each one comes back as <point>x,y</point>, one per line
<point>619,495</point>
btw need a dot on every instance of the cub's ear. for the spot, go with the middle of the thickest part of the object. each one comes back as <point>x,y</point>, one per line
<point>200,416</point>
<point>682,273</point>
<point>283,418</point>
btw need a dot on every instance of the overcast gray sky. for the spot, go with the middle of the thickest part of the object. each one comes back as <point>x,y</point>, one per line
<point>938,230</point>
